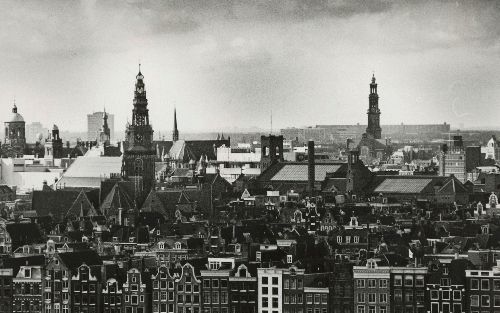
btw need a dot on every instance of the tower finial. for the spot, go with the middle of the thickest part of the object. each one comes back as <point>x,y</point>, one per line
<point>175,133</point>
<point>373,77</point>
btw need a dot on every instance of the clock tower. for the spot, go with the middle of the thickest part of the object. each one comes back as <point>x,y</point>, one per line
<point>139,154</point>
<point>373,130</point>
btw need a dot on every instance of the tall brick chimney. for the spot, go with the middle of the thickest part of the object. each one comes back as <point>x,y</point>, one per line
<point>311,175</point>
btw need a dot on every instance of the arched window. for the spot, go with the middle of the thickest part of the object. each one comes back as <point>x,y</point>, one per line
<point>178,245</point>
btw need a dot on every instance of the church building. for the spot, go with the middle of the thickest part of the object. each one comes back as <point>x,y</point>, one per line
<point>371,147</point>
<point>139,154</point>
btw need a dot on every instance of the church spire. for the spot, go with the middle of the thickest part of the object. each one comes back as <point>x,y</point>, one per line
<point>373,130</point>
<point>175,133</point>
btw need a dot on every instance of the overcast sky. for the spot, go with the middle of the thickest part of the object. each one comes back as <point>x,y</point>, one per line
<point>228,63</point>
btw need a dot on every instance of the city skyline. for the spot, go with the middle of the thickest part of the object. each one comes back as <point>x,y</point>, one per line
<point>235,62</point>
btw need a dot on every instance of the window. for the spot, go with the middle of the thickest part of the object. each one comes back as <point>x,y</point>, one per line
<point>445,295</point>
<point>275,303</point>
<point>457,295</point>
<point>485,300</point>
<point>215,283</point>
<point>474,284</point>
<point>309,298</point>
<point>265,280</point>
<point>339,239</point>
<point>361,309</point>
<point>372,283</point>
<point>485,284</point>
<point>317,298</point>
<point>409,280</point>
<point>347,239</point>
<point>275,280</point>
<point>445,281</point>
<point>398,295</point>
<point>360,283</point>
<point>383,283</point>
<point>398,280</point>
<point>496,301</point>
<point>286,283</point>
<point>474,300</point>
<point>382,298</point>
<point>356,239</point>
<point>206,283</point>
<point>372,298</point>
<point>419,281</point>
<point>361,297</point>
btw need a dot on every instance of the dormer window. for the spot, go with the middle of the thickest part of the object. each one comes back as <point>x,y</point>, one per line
<point>237,248</point>
<point>371,264</point>
<point>161,245</point>
<point>177,245</point>
<point>289,259</point>
<point>115,239</point>
<point>27,273</point>
<point>131,239</point>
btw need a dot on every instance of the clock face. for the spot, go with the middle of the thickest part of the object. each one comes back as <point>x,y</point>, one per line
<point>140,90</point>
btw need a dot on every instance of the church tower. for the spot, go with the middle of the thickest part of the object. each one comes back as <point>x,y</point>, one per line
<point>104,132</point>
<point>139,153</point>
<point>373,130</point>
<point>15,135</point>
<point>175,133</point>
<point>54,145</point>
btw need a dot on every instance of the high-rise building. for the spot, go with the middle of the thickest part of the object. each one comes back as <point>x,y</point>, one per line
<point>139,155</point>
<point>94,124</point>
<point>35,132</point>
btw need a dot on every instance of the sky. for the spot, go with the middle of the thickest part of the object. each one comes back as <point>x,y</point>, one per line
<point>227,64</point>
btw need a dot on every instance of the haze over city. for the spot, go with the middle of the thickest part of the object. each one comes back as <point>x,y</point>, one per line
<point>227,64</point>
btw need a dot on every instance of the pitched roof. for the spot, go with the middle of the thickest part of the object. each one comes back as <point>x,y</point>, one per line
<point>90,171</point>
<point>416,184</point>
<point>74,259</point>
<point>295,171</point>
<point>395,185</point>
<point>24,234</point>
<point>116,198</point>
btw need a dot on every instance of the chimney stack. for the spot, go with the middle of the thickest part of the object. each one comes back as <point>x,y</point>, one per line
<point>311,166</point>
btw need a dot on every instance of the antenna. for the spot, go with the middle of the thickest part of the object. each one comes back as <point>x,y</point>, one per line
<point>271,120</point>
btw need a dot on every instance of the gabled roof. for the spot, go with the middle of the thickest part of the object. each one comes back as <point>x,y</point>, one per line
<point>416,184</point>
<point>296,171</point>
<point>74,259</point>
<point>116,198</point>
<point>81,207</point>
<point>89,171</point>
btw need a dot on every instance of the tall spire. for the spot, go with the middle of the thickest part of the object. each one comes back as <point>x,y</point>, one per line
<point>373,130</point>
<point>175,133</point>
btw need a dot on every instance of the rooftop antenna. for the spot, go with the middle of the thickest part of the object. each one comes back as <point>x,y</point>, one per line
<point>271,120</point>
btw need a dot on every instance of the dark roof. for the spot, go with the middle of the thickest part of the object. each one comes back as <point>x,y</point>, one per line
<point>74,259</point>
<point>16,263</point>
<point>24,234</point>
<point>296,171</point>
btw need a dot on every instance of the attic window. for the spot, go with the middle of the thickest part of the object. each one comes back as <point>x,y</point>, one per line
<point>289,259</point>
<point>178,245</point>
<point>131,239</point>
<point>115,239</point>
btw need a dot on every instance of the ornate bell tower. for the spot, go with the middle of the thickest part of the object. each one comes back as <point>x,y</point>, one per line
<point>139,155</point>
<point>373,130</point>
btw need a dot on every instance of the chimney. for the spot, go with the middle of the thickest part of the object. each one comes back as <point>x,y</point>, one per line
<point>310,166</point>
<point>442,159</point>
